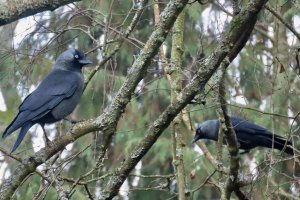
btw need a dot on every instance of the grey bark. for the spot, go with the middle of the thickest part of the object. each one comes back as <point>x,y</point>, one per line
<point>12,10</point>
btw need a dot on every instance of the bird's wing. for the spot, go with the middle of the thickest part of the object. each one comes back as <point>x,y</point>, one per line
<point>56,87</point>
<point>253,135</point>
<point>244,126</point>
<point>249,134</point>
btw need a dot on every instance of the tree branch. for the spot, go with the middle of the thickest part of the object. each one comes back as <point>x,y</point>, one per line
<point>124,35</point>
<point>230,136</point>
<point>13,10</point>
<point>176,86</point>
<point>228,46</point>
<point>290,27</point>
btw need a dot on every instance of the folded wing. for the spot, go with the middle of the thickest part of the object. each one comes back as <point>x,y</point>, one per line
<point>41,101</point>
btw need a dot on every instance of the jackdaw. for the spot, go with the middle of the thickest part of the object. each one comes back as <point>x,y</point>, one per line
<point>55,97</point>
<point>249,135</point>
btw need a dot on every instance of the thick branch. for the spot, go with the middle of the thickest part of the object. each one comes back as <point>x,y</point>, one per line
<point>232,39</point>
<point>176,86</point>
<point>13,10</point>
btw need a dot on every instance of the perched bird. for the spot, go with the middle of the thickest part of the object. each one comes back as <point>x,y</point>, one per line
<point>55,97</point>
<point>249,135</point>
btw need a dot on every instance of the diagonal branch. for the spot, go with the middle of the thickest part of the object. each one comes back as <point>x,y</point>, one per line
<point>14,10</point>
<point>124,35</point>
<point>230,45</point>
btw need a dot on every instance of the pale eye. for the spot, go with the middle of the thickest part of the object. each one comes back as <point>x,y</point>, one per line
<point>76,56</point>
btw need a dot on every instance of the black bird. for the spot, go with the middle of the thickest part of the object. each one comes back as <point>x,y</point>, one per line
<point>249,135</point>
<point>55,97</point>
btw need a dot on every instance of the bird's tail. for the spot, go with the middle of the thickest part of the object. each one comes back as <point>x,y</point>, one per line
<point>14,125</point>
<point>281,144</point>
<point>21,135</point>
<point>9,130</point>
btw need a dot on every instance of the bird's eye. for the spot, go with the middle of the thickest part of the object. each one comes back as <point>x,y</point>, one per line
<point>76,56</point>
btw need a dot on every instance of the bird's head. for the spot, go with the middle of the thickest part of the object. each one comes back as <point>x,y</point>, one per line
<point>199,135</point>
<point>72,59</point>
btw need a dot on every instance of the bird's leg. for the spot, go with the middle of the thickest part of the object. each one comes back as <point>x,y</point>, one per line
<point>45,135</point>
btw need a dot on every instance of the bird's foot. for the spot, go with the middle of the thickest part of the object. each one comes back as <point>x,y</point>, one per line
<point>47,140</point>
<point>45,135</point>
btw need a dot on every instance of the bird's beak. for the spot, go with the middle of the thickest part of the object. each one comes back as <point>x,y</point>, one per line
<point>85,61</point>
<point>197,137</point>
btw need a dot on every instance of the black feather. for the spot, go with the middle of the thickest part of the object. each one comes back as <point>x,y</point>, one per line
<point>55,97</point>
<point>249,135</point>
